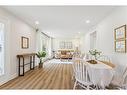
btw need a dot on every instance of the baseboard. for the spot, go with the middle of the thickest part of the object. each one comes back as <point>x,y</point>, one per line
<point>13,76</point>
<point>3,82</point>
<point>10,78</point>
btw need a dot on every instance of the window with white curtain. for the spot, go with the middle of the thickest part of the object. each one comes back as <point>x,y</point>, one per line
<point>1,48</point>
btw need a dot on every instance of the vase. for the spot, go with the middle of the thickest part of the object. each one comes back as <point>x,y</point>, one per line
<point>41,64</point>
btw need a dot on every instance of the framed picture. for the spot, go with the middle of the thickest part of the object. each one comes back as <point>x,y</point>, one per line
<point>120,33</point>
<point>24,42</point>
<point>120,46</point>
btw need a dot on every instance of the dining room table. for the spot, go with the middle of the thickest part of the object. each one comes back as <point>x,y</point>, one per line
<point>100,74</point>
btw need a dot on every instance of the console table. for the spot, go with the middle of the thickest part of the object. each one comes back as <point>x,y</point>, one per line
<point>31,62</point>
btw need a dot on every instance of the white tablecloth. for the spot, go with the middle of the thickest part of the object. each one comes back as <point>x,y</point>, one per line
<point>100,74</point>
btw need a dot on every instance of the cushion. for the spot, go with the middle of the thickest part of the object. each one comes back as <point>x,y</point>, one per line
<point>63,52</point>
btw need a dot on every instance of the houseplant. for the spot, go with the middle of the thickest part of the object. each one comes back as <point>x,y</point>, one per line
<point>41,55</point>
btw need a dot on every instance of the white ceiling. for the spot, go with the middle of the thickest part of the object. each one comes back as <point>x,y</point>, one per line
<point>62,21</point>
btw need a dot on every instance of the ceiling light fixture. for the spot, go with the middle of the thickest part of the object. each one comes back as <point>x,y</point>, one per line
<point>87,21</point>
<point>36,22</point>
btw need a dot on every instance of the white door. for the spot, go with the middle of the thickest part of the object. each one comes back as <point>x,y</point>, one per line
<point>4,51</point>
<point>1,49</point>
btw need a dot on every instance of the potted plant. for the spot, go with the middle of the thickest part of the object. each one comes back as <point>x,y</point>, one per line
<point>41,55</point>
<point>94,53</point>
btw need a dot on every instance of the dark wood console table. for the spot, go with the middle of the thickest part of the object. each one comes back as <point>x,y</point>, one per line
<point>32,62</point>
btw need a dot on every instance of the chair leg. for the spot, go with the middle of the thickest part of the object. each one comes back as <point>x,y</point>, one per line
<point>88,87</point>
<point>75,84</point>
<point>96,87</point>
<point>72,78</point>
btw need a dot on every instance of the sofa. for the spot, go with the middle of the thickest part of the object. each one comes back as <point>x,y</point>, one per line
<point>64,54</point>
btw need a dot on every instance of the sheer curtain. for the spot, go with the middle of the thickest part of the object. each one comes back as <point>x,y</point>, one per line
<point>1,48</point>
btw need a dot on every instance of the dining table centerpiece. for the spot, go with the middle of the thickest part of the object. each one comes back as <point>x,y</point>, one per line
<point>92,61</point>
<point>95,53</point>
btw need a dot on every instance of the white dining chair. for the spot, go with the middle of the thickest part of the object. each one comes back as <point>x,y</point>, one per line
<point>89,57</point>
<point>81,74</point>
<point>76,55</point>
<point>120,82</point>
<point>83,55</point>
<point>104,58</point>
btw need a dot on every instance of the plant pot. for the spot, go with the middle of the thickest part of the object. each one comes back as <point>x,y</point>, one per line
<point>40,65</point>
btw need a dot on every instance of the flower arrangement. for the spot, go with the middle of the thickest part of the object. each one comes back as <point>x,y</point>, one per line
<point>94,53</point>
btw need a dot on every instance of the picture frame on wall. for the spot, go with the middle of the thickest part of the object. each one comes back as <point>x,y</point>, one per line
<point>120,46</point>
<point>120,33</point>
<point>24,42</point>
<point>120,39</point>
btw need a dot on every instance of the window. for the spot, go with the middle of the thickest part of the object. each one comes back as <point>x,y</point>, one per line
<point>65,45</point>
<point>1,48</point>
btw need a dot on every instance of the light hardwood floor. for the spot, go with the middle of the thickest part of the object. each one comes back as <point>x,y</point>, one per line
<point>52,76</point>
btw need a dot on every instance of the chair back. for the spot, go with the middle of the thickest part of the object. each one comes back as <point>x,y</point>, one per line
<point>76,55</point>
<point>104,58</point>
<point>89,57</point>
<point>80,70</point>
<point>83,55</point>
<point>124,78</point>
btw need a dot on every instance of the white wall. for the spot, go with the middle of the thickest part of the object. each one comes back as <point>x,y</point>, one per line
<point>56,41</point>
<point>85,43</point>
<point>15,28</point>
<point>105,37</point>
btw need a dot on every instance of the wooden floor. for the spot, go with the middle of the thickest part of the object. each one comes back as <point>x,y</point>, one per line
<point>52,76</point>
